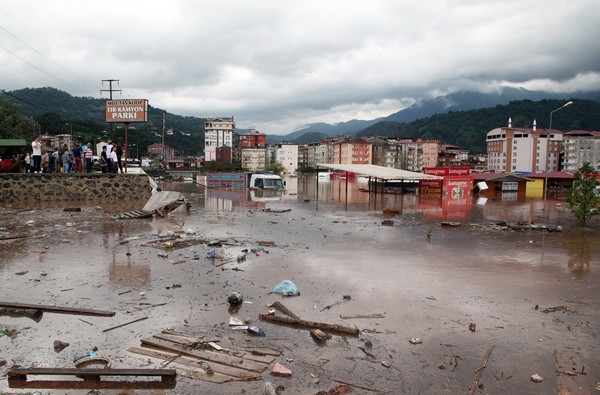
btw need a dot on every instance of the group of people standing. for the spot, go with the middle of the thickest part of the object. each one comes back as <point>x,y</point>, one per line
<point>110,158</point>
<point>78,159</point>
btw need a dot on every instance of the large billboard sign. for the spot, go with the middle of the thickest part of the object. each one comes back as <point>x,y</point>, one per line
<point>125,111</point>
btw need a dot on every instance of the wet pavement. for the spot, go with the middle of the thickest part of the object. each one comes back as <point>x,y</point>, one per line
<point>530,293</point>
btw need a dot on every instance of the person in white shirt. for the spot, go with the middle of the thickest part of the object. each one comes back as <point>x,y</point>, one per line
<point>113,160</point>
<point>36,157</point>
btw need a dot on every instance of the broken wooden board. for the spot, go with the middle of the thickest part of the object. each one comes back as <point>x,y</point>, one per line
<point>190,367</point>
<point>210,356</point>
<point>91,378</point>
<point>58,309</point>
<point>240,359</point>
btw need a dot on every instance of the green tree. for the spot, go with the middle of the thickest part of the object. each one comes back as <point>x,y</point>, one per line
<point>584,200</point>
<point>275,168</point>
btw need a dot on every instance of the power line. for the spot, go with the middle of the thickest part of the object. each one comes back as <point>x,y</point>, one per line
<point>43,71</point>
<point>50,60</point>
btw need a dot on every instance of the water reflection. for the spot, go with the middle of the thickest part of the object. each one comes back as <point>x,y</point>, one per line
<point>581,247</point>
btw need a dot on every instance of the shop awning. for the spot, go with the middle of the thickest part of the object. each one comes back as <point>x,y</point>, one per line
<point>380,172</point>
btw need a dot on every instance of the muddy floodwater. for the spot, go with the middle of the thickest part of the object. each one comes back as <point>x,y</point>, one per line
<point>524,297</point>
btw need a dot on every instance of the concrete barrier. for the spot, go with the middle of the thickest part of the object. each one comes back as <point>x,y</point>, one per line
<point>75,186</point>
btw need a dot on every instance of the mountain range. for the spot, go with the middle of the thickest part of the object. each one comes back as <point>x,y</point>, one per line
<point>461,118</point>
<point>458,101</point>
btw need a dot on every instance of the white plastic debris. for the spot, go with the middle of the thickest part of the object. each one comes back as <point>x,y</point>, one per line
<point>536,378</point>
<point>415,340</point>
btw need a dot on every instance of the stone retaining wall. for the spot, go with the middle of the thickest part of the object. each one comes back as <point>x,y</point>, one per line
<point>74,186</point>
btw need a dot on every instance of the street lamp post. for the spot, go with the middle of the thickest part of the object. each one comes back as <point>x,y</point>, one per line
<point>567,104</point>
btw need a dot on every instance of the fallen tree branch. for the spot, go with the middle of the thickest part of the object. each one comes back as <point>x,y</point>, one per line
<point>479,371</point>
<point>310,324</point>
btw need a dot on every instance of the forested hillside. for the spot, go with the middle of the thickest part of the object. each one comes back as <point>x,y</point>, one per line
<point>56,112</point>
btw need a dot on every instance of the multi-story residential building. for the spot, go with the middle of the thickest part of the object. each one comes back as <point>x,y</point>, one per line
<point>324,151</point>
<point>287,155</point>
<point>255,159</point>
<point>417,154</point>
<point>452,156</point>
<point>579,147</point>
<point>386,152</point>
<point>311,155</point>
<point>352,151</point>
<point>525,150</point>
<point>218,132</point>
<point>253,139</point>
<point>302,156</point>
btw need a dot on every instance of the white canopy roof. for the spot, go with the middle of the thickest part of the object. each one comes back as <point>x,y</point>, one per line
<point>384,173</point>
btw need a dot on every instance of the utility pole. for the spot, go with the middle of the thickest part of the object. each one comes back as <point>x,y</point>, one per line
<point>163,142</point>
<point>111,90</point>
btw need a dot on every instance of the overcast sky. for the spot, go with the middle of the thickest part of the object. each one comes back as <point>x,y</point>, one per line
<point>279,65</point>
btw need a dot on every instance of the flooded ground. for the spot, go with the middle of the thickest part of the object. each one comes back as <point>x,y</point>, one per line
<point>532,294</point>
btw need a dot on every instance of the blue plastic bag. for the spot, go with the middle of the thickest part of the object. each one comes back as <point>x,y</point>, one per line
<point>287,288</point>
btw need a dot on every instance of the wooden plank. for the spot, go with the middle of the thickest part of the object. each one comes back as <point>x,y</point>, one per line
<point>222,373</point>
<point>18,378</point>
<point>263,350</point>
<point>206,355</point>
<point>296,322</point>
<point>58,310</point>
<point>192,342</point>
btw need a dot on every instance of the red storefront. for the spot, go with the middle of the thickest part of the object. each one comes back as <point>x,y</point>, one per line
<point>452,195</point>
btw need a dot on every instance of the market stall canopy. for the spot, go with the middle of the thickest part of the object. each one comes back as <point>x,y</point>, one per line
<point>383,173</point>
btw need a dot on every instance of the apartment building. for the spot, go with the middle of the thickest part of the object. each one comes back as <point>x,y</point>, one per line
<point>579,147</point>
<point>386,152</point>
<point>218,132</point>
<point>418,154</point>
<point>255,159</point>
<point>287,155</point>
<point>352,151</point>
<point>524,150</point>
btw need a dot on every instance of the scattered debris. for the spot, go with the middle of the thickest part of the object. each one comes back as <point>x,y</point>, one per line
<point>35,315</point>
<point>310,324</point>
<point>160,203</point>
<point>58,310</point>
<point>536,378</point>
<point>254,330</point>
<point>60,345</point>
<point>125,324</point>
<point>280,370</point>
<point>186,351</point>
<point>387,222</point>
<point>479,371</point>
<point>18,378</point>
<point>339,390</point>
<point>555,309</point>
<point>279,306</point>
<point>22,273</point>
<point>415,340</point>
<point>72,209</point>
<point>472,327</point>
<point>235,299</point>
<point>286,288</point>
<point>450,224</point>
<point>319,335</point>
<point>354,316</point>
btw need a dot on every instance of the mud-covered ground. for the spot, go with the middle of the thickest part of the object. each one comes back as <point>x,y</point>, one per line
<point>532,294</point>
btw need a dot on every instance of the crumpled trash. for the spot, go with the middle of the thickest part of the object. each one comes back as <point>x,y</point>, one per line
<point>286,288</point>
<point>235,298</point>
